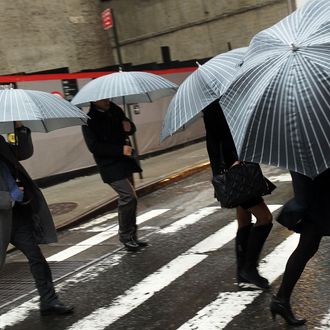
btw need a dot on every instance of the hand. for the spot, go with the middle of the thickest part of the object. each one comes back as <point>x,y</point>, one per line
<point>126,125</point>
<point>127,150</point>
<point>236,163</point>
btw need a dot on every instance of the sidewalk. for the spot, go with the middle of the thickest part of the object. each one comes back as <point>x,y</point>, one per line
<point>86,197</point>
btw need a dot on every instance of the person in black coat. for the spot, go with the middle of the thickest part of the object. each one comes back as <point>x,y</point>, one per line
<point>107,138</point>
<point>250,238</point>
<point>311,203</point>
<point>28,222</point>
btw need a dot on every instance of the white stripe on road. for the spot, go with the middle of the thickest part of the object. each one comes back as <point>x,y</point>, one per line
<point>95,222</point>
<point>101,237</point>
<point>189,220</point>
<point>138,294</point>
<point>219,313</point>
<point>132,298</point>
<point>325,322</point>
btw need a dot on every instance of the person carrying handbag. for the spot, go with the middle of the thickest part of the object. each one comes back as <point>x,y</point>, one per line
<point>250,238</point>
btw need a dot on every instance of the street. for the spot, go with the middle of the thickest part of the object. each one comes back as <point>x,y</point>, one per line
<point>185,278</point>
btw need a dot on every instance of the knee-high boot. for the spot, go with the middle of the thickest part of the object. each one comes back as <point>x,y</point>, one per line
<point>257,238</point>
<point>241,242</point>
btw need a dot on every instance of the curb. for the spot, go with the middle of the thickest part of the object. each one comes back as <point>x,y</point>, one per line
<point>141,191</point>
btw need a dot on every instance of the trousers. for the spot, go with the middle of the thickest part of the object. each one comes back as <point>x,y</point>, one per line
<point>23,239</point>
<point>127,206</point>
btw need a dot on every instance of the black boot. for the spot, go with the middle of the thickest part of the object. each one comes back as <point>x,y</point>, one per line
<point>257,238</point>
<point>241,242</point>
<point>283,308</point>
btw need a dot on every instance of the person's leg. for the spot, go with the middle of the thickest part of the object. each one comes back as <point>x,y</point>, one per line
<point>127,207</point>
<point>23,239</point>
<point>308,245</point>
<point>257,238</point>
<point>241,239</point>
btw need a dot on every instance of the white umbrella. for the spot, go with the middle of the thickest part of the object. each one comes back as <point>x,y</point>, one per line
<point>125,88</point>
<point>201,88</point>
<point>39,111</point>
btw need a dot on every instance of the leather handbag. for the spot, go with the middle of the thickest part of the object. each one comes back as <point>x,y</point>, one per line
<point>240,183</point>
<point>291,215</point>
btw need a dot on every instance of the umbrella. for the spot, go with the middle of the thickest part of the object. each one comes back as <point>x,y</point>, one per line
<point>40,111</point>
<point>278,106</point>
<point>201,88</point>
<point>125,88</point>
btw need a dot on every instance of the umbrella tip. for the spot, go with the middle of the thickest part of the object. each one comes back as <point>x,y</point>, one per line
<point>199,65</point>
<point>294,47</point>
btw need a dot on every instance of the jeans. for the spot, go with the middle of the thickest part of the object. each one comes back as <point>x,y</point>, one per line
<point>127,205</point>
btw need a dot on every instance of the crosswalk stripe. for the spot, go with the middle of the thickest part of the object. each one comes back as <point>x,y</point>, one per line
<point>138,294</point>
<point>221,311</point>
<point>211,243</point>
<point>95,222</point>
<point>101,237</point>
<point>189,220</point>
<point>325,322</point>
<point>104,316</point>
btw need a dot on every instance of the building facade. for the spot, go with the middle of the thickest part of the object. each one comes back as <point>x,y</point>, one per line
<point>44,35</point>
<point>190,28</point>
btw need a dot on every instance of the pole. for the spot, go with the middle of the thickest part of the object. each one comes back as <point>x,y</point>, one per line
<point>129,113</point>
<point>115,36</point>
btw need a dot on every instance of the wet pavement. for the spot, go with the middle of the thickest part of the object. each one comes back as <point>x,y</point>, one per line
<point>184,280</point>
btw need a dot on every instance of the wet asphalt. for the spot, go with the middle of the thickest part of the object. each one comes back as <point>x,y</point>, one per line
<point>105,275</point>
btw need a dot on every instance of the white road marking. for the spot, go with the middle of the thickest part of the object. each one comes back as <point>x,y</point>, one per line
<point>101,237</point>
<point>132,298</point>
<point>18,314</point>
<point>97,221</point>
<point>219,313</point>
<point>325,322</point>
<point>189,220</point>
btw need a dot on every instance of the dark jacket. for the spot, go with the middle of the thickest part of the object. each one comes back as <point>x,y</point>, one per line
<point>105,138</point>
<point>314,195</point>
<point>44,229</point>
<point>219,142</point>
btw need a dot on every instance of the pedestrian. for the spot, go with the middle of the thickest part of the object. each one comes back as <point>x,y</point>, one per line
<point>311,204</point>
<point>107,138</point>
<point>250,238</point>
<point>26,221</point>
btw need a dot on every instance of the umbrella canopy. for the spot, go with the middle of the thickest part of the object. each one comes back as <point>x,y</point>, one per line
<point>40,111</point>
<point>125,88</point>
<point>278,107</point>
<point>201,88</point>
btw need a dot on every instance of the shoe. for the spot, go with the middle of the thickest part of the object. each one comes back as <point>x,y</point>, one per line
<point>251,275</point>
<point>57,308</point>
<point>283,308</point>
<point>141,243</point>
<point>132,245</point>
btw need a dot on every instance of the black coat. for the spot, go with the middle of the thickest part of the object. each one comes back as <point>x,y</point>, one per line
<point>44,228</point>
<point>314,195</point>
<point>105,138</point>
<point>219,142</point>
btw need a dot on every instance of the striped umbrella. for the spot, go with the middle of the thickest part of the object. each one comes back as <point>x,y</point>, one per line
<point>278,107</point>
<point>40,111</point>
<point>125,88</point>
<point>201,88</point>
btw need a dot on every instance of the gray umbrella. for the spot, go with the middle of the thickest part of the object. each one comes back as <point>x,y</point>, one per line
<point>278,107</point>
<point>125,88</point>
<point>40,111</point>
<point>201,88</point>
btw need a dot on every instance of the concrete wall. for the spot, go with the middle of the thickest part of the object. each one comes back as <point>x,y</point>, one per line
<point>191,28</point>
<point>46,34</point>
